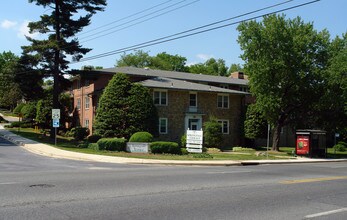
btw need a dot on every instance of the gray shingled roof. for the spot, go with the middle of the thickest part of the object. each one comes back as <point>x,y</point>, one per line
<point>166,83</point>
<point>176,75</point>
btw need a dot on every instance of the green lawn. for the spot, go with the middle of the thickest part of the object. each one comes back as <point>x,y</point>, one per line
<point>71,145</point>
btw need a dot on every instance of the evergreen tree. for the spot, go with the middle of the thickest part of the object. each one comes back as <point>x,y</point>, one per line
<point>111,114</point>
<point>67,18</point>
<point>125,108</point>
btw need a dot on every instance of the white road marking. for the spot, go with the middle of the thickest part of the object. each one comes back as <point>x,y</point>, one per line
<point>228,172</point>
<point>326,213</point>
<point>9,183</point>
<point>99,168</point>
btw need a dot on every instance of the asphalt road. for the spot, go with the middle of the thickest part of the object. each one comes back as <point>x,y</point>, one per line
<point>35,187</point>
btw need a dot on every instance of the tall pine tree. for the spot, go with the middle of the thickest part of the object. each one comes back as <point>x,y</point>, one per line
<point>66,19</point>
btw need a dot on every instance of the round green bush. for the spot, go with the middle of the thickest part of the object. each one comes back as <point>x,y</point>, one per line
<point>141,136</point>
<point>161,147</point>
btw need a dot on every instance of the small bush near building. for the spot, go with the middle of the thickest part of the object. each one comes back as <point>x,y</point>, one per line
<point>93,146</point>
<point>183,140</point>
<point>93,138</point>
<point>340,147</point>
<point>184,151</point>
<point>78,133</point>
<point>112,144</point>
<point>141,136</point>
<point>161,147</point>
<point>83,145</point>
<point>213,136</point>
<point>203,155</point>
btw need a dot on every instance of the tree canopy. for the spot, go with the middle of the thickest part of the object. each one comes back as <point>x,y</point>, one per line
<point>9,89</point>
<point>284,59</point>
<point>125,108</point>
<point>49,57</point>
<point>210,67</point>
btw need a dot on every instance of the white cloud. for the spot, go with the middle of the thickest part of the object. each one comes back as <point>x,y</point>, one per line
<point>191,63</point>
<point>8,24</point>
<point>24,30</point>
<point>204,57</point>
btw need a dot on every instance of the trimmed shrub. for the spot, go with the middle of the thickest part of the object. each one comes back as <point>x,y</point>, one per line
<point>83,145</point>
<point>213,136</point>
<point>21,124</point>
<point>203,155</point>
<point>184,151</point>
<point>93,146</point>
<point>112,144</point>
<point>183,140</point>
<point>29,111</point>
<point>340,147</point>
<point>78,133</point>
<point>141,136</point>
<point>93,138</point>
<point>161,147</point>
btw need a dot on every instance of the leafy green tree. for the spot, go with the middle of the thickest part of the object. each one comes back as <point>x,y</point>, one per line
<point>44,112</point>
<point>29,111</point>
<point>142,112</point>
<point>9,89</point>
<point>213,136</point>
<point>255,125</point>
<point>235,68</point>
<point>210,67</point>
<point>162,61</point>
<point>284,60</point>
<point>125,108</point>
<point>111,114</point>
<point>331,111</point>
<point>165,61</point>
<point>67,18</point>
<point>139,59</point>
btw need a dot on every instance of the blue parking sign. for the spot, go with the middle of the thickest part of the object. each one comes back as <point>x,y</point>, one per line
<point>55,123</point>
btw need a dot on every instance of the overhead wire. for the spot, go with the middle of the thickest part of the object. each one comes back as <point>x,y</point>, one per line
<point>144,16</point>
<point>172,37</point>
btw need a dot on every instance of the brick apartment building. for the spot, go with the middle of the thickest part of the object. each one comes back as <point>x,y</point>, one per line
<point>183,100</point>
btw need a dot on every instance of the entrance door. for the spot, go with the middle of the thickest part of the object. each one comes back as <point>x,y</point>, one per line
<point>193,122</point>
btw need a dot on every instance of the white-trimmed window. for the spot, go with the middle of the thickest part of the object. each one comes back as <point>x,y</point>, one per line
<point>86,102</point>
<point>86,123</point>
<point>160,97</point>
<point>225,125</point>
<point>223,101</point>
<point>162,125</point>
<point>193,99</point>
<point>78,106</point>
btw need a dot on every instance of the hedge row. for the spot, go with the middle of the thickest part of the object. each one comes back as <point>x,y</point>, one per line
<point>112,144</point>
<point>161,147</point>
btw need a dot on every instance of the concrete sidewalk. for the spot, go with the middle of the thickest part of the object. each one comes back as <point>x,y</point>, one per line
<point>46,150</point>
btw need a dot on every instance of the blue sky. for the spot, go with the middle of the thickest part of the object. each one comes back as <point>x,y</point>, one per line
<point>221,43</point>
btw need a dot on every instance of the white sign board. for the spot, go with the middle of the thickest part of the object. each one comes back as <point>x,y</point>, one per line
<point>194,141</point>
<point>137,147</point>
<point>55,113</point>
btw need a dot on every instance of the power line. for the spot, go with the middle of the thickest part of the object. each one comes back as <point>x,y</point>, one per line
<point>146,15</point>
<point>165,39</point>
<point>126,17</point>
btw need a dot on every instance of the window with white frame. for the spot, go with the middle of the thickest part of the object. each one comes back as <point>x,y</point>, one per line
<point>193,99</point>
<point>224,126</point>
<point>223,101</point>
<point>78,106</point>
<point>86,123</point>
<point>163,126</point>
<point>160,97</point>
<point>86,102</point>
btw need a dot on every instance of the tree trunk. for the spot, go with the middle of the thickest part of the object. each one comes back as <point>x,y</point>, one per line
<point>276,137</point>
<point>56,70</point>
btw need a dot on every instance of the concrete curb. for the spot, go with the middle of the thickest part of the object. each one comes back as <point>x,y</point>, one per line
<point>49,151</point>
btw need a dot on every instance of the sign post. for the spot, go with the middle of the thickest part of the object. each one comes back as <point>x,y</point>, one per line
<point>55,120</point>
<point>194,141</point>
